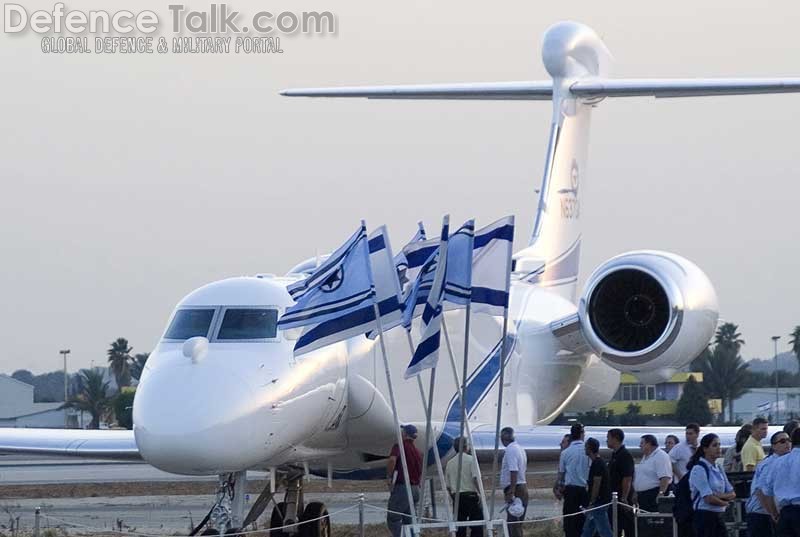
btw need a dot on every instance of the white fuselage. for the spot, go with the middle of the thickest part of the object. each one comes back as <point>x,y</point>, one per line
<point>252,404</point>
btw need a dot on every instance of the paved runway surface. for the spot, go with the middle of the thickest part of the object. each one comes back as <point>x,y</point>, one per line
<point>161,515</point>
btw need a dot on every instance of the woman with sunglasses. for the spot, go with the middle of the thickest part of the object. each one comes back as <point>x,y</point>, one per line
<point>761,511</point>
<point>711,490</point>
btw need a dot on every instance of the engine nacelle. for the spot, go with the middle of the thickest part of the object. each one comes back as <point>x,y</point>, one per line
<point>648,313</point>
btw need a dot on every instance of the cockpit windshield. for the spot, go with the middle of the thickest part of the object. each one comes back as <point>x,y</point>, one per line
<point>248,323</point>
<point>189,323</point>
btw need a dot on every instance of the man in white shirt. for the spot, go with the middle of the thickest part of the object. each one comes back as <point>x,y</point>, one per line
<point>681,453</point>
<point>469,503</point>
<point>653,475</point>
<point>512,477</point>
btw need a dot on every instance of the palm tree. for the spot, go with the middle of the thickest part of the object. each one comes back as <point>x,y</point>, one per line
<point>728,335</point>
<point>92,396</point>
<point>794,343</point>
<point>119,359</point>
<point>137,364</point>
<point>725,375</point>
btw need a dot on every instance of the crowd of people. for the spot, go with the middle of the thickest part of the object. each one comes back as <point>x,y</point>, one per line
<point>687,469</point>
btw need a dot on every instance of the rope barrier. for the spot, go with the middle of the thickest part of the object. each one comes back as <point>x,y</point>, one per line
<point>633,508</point>
<point>404,514</point>
<point>559,517</point>
<point>287,526</point>
<point>637,509</point>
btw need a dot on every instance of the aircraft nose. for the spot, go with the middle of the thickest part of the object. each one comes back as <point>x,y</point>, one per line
<point>195,418</point>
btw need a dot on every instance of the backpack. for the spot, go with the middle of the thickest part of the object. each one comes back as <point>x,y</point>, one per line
<point>683,508</point>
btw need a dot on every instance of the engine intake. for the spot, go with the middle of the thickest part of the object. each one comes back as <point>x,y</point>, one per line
<point>629,310</point>
<point>648,311</point>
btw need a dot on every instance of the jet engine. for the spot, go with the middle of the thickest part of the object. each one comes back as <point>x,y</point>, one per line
<point>648,313</point>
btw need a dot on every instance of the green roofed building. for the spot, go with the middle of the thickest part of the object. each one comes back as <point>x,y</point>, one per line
<point>654,399</point>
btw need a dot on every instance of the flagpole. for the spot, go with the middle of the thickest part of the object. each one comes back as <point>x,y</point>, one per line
<point>475,465</point>
<point>462,390</point>
<point>428,433</point>
<point>400,445</point>
<point>503,358</point>
<point>499,407</point>
<point>503,351</point>
<point>428,407</point>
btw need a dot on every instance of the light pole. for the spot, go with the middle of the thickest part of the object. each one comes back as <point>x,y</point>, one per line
<point>777,410</point>
<point>64,353</point>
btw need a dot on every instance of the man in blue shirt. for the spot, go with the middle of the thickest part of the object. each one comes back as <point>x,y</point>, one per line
<point>760,509</point>
<point>783,484</point>
<point>573,471</point>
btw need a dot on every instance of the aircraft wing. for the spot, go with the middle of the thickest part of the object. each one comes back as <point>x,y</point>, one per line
<point>541,443</point>
<point>543,90</point>
<point>104,444</point>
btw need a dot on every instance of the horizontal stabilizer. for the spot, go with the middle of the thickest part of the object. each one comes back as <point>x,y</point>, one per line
<point>533,91</point>
<point>687,87</point>
<point>543,90</point>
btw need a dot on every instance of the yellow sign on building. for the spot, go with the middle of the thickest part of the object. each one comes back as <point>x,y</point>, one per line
<point>715,406</point>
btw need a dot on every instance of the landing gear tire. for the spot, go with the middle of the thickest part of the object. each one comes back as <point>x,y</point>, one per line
<point>320,527</point>
<point>276,520</point>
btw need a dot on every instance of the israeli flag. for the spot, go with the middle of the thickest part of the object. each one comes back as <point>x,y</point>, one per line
<point>330,265</point>
<point>457,278</point>
<point>426,354</point>
<point>387,285</point>
<point>458,281</point>
<point>335,289</point>
<point>413,256</point>
<point>491,267</point>
<point>401,259</point>
<point>417,296</point>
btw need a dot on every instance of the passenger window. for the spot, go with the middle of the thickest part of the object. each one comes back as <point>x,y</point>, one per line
<point>250,323</point>
<point>190,323</point>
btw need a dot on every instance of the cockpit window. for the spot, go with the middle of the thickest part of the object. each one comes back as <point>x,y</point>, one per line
<point>190,323</point>
<point>250,323</point>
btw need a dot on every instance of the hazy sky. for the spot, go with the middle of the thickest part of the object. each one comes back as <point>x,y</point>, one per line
<point>128,181</point>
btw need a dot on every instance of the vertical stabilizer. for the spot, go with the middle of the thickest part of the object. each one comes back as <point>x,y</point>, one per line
<point>571,52</point>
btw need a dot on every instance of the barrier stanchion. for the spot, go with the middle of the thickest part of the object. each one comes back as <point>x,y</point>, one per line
<point>615,512</point>
<point>361,515</point>
<point>36,517</point>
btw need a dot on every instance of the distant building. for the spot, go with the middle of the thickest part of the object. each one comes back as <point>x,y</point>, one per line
<point>654,399</point>
<point>761,402</point>
<point>17,408</point>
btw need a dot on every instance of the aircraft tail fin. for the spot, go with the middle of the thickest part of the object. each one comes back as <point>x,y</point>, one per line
<point>578,62</point>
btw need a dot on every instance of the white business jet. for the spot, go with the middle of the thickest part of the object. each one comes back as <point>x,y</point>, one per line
<point>222,392</point>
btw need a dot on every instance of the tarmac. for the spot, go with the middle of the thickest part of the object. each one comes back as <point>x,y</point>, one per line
<point>167,514</point>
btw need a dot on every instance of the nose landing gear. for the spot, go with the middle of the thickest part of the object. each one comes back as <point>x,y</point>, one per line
<point>227,513</point>
<point>227,517</point>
